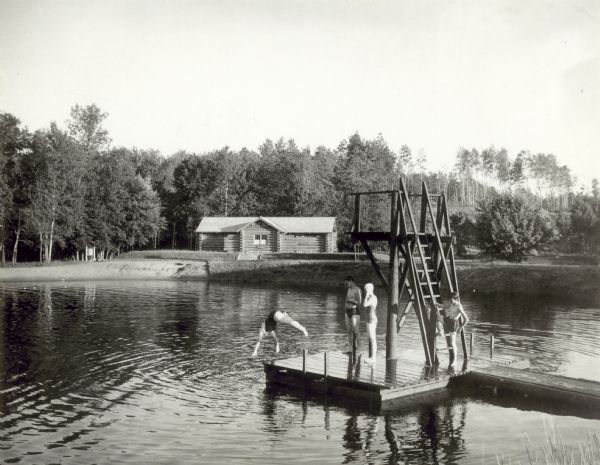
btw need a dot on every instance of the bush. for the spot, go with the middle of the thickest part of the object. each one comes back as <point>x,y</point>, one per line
<point>585,223</point>
<point>509,227</point>
<point>463,228</point>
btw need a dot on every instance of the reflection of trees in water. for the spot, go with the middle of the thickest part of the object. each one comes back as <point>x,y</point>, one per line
<point>89,297</point>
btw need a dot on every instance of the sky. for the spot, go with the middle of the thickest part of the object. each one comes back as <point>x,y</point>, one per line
<point>200,75</point>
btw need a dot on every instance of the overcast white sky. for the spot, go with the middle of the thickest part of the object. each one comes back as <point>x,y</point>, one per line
<point>199,75</point>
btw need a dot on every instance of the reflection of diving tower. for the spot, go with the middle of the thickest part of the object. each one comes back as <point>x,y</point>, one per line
<point>427,270</point>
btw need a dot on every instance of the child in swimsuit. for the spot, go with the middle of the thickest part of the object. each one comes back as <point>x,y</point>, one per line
<point>370,305</point>
<point>352,312</point>
<point>452,325</point>
<point>270,325</point>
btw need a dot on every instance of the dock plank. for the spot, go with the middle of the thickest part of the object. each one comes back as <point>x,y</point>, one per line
<point>540,381</point>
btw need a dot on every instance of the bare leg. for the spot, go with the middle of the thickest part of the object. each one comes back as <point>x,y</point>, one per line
<point>276,341</point>
<point>454,348</point>
<point>451,342</point>
<point>350,332</point>
<point>356,330</point>
<point>261,334</point>
<point>371,327</point>
<point>286,319</point>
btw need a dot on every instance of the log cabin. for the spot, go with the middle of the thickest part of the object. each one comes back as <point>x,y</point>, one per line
<point>264,234</point>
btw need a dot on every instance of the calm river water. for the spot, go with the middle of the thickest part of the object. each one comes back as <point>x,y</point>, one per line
<point>159,372</point>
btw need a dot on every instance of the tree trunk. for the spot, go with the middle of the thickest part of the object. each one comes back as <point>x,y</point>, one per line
<point>41,248</point>
<point>16,246</point>
<point>173,238</point>
<point>2,249</point>
<point>49,254</point>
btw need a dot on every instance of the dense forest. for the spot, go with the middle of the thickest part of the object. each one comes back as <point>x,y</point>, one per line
<point>65,188</point>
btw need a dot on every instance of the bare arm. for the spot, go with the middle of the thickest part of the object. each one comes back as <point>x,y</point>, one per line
<point>464,317</point>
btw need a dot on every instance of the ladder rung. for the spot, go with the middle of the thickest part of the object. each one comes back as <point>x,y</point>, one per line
<point>429,297</point>
<point>433,283</point>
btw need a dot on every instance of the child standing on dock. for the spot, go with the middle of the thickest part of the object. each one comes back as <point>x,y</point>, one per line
<point>270,324</point>
<point>370,305</point>
<point>352,312</point>
<point>453,325</point>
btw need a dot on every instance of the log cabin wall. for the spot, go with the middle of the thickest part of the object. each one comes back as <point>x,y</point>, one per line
<point>220,242</point>
<point>300,242</point>
<point>247,238</point>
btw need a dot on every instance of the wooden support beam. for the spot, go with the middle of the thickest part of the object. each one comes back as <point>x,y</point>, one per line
<point>392,313</point>
<point>402,219</point>
<point>357,213</point>
<point>424,204</point>
<point>373,192</point>
<point>304,356</point>
<point>438,240</point>
<point>373,261</point>
<point>403,285</point>
<point>420,303</point>
<point>370,236</point>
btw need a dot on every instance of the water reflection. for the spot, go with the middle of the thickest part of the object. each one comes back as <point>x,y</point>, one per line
<point>161,371</point>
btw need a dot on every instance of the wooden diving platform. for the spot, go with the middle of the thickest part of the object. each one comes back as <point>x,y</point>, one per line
<point>380,385</point>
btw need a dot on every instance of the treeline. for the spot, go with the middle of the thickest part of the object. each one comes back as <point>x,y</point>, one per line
<point>63,189</point>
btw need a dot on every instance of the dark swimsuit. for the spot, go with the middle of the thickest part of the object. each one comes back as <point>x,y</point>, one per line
<point>352,311</point>
<point>450,324</point>
<point>270,323</point>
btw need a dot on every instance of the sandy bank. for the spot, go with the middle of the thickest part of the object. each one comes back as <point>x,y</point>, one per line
<point>117,269</point>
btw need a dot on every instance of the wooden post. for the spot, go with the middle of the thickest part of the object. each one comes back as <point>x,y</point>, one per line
<point>491,345</point>
<point>391,338</point>
<point>304,354</point>
<point>471,343</point>
<point>357,213</point>
<point>325,363</point>
<point>424,203</point>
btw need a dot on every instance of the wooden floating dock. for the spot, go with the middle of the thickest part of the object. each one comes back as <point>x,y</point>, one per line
<point>335,373</point>
<point>560,390</point>
<point>390,383</point>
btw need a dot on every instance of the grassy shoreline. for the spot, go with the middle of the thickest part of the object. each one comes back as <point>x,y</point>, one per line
<point>569,281</point>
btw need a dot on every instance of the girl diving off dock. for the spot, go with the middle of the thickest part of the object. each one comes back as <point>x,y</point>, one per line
<point>270,324</point>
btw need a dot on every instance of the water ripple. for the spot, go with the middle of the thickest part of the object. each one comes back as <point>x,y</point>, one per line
<point>161,373</point>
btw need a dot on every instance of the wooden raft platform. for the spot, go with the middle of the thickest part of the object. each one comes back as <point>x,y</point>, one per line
<point>557,389</point>
<point>385,382</point>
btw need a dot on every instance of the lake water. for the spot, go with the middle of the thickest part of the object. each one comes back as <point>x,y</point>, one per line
<point>159,372</point>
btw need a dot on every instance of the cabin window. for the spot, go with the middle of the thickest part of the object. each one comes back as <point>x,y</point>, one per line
<point>260,239</point>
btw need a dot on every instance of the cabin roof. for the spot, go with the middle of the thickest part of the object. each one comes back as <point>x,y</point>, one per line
<point>285,224</point>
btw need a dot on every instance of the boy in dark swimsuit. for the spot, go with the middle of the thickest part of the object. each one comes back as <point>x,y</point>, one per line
<point>270,325</point>
<point>453,324</point>
<point>352,311</point>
